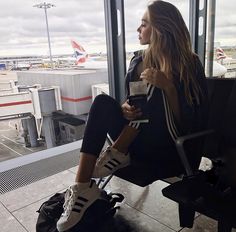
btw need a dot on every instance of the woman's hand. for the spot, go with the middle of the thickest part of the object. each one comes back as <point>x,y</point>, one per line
<point>130,112</point>
<point>156,78</point>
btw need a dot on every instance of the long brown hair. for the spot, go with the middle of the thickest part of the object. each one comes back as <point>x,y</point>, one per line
<point>170,47</point>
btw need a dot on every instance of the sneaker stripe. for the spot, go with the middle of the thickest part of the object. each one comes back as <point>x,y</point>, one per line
<point>82,199</point>
<point>106,166</point>
<point>117,161</point>
<point>76,210</point>
<point>79,204</point>
<point>111,165</point>
<point>110,162</point>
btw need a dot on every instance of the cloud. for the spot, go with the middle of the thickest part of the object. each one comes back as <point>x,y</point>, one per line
<point>23,27</point>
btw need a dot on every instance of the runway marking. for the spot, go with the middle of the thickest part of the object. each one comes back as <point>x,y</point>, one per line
<point>11,149</point>
<point>15,142</point>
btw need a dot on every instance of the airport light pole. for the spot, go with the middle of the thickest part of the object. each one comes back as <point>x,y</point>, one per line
<point>46,6</point>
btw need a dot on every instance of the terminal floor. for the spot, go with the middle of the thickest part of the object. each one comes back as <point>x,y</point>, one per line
<point>144,209</point>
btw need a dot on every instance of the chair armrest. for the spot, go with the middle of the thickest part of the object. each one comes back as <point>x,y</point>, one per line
<point>180,147</point>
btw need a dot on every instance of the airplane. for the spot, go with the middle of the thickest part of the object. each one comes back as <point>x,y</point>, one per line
<point>222,57</point>
<point>80,54</point>
<point>225,63</point>
<point>218,68</point>
<point>81,58</point>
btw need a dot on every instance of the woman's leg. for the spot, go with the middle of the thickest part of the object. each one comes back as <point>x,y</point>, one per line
<point>126,137</point>
<point>88,161</point>
<point>85,168</point>
<point>116,156</point>
<point>105,117</point>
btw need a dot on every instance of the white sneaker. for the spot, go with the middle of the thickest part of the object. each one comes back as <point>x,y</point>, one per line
<point>76,203</point>
<point>110,161</point>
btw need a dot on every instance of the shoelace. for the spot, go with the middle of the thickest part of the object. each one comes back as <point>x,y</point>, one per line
<point>69,200</point>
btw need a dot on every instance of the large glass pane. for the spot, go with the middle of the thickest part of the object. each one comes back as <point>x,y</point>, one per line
<point>225,39</point>
<point>57,43</point>
<point>224,50</point>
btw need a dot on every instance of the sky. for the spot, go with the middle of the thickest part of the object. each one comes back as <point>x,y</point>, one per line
<point>23,27</point>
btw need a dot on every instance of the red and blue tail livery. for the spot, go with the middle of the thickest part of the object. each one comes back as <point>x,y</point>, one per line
<point>80,54</point>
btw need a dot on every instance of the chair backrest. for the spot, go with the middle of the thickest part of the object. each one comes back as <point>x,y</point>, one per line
<point>222,103</point>
<point>229,120</point>
<point>228,139</point>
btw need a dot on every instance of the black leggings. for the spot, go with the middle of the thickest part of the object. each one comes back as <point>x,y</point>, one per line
<point>105,117</point>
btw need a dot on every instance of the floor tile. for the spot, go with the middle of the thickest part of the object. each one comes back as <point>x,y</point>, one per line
<point>144,209</point>
<point>28,215</point>
<point>148,200</point>
<point>204,224</point>
<point>130,220</point>
<point>8,222</point>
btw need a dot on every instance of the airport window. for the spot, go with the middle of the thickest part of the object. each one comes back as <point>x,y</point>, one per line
<point>223,45</point>
<point>40,52</point>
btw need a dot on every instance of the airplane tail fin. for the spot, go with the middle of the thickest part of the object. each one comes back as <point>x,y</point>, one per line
<point>220,54</point>
<point>80,53</point>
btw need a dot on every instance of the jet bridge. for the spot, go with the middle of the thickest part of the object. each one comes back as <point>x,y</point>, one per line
<point>35,105</point>
<point>15,104</point>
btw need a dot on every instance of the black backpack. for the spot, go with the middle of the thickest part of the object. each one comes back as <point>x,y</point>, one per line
<point>103,209</point>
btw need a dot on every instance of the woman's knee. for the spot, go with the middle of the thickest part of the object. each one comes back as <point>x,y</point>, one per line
<point>105,101</point>
<point>101,98</point>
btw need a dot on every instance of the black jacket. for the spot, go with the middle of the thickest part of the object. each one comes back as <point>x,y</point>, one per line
<point>155,144</point>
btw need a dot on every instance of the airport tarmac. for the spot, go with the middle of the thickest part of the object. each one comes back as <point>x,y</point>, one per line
<point>7,76</point>
<point>12,143</point>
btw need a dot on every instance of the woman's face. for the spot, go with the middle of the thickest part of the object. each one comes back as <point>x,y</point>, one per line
<point>144,30</point>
